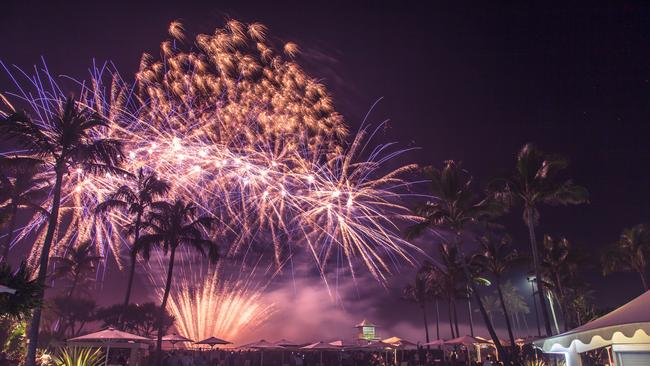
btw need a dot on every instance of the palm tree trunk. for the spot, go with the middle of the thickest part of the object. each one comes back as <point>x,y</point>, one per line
<point>477,296</point>
<point>505,313</point>
<point>134,254</point>
<point>74,285</point>
<point>163,306</point>
<point>10,234</point>
<point>451,319</point>
<point>643,280</point>
<point>437,320</point>
<point>456,319</point>
<point>538,273</point>
<point>426,322</point>
<point>32,335</point>
<point>469,313</point>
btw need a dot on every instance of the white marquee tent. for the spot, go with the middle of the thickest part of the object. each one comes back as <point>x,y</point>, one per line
<point>626,330</point>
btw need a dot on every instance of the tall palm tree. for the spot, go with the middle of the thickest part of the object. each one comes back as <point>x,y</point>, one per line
<point>496,258</point>
<point>419,294</point>
<point>20,188</point>
<point>65,141</point>
<point>453,207</point>
<point>558,268</point>
<point>77,263</point>
<point>629,253</point>
<point>175,225</point>
<point>535,181</point>
<point>435,289</point>
<point>514,302</point>
<point>492,306</point>
<point>135,200</point>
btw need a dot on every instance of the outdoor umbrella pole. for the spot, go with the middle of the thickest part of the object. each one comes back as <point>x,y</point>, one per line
<point>108,349</point>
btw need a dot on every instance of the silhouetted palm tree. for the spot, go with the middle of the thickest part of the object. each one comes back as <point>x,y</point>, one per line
<point>453,207</point>
<point>535,181</point>
<point>135,200</point>
<point>65,141</point>
<point>20,187</point>
<point>174,225</point>
<point>434,289</point>
<point>629,253</point>
<point>77,263</point>
<point>558,268</point>
<point>496,258</point>
<point>419,294</point>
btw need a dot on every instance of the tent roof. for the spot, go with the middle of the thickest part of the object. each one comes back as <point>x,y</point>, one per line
<point>343,344</point>
<point>631,320</point>
<point>110,334</point>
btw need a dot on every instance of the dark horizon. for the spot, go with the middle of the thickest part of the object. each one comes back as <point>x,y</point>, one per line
<point>472,84</point>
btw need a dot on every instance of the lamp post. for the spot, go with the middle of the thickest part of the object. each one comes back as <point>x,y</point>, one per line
<point>532,280</point>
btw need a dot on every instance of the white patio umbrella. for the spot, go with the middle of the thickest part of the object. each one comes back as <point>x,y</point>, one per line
<point>262,345</point>
<point>110,335</point>
<point>399,343</point>
<point>175,338</point>
<point>320,346</point>
<point>213,341</point>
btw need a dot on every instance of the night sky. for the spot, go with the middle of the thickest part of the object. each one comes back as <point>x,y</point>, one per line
<point>460,82</point>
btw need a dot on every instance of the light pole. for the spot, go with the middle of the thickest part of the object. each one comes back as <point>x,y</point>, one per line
<point>532,280</point>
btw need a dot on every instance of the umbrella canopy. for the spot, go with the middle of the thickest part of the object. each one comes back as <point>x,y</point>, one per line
<point>175,338</point>
<point>288,343</point>
<point>110,334</point>
<point>378,345</point>
<point>320,346</point>
<point>437,342</point>
<point>213,341</point>
<point>465,341</point>
<point>343,344</point>
<point>399,342</point>
<point>8,290</point>
<point>262,345</point>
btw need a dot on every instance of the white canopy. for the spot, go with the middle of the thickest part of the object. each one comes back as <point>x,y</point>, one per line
<point>110,334</point>
<point>628,324</point>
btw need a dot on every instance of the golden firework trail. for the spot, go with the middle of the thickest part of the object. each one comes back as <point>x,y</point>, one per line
<point>239,129</point>
<point>207,303</point>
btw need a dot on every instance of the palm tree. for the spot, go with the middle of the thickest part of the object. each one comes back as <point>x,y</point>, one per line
<point>629,253</point>
<point>492,306</point>
<point>535,182</point>
<point>66,141</point>
<point>496,259</point>
<point>135,201</point>
<point>20,187</point>
<point>454,206</point>
<point>435,289</point>
<point>174,225</point>
<point>419,294</point>
<point>514,302</point>
<point>77,263</point>
<point>558,268</point>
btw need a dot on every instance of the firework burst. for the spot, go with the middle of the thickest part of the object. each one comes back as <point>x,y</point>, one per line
<point>242,131</point>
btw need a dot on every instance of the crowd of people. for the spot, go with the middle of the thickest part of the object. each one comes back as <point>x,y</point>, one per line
<point>420,357</point>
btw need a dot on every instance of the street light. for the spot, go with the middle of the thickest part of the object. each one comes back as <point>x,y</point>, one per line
<point>532,281</point>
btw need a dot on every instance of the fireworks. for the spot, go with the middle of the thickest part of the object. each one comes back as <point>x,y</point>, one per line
<point>205,303</point>
<point>242,131</point>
